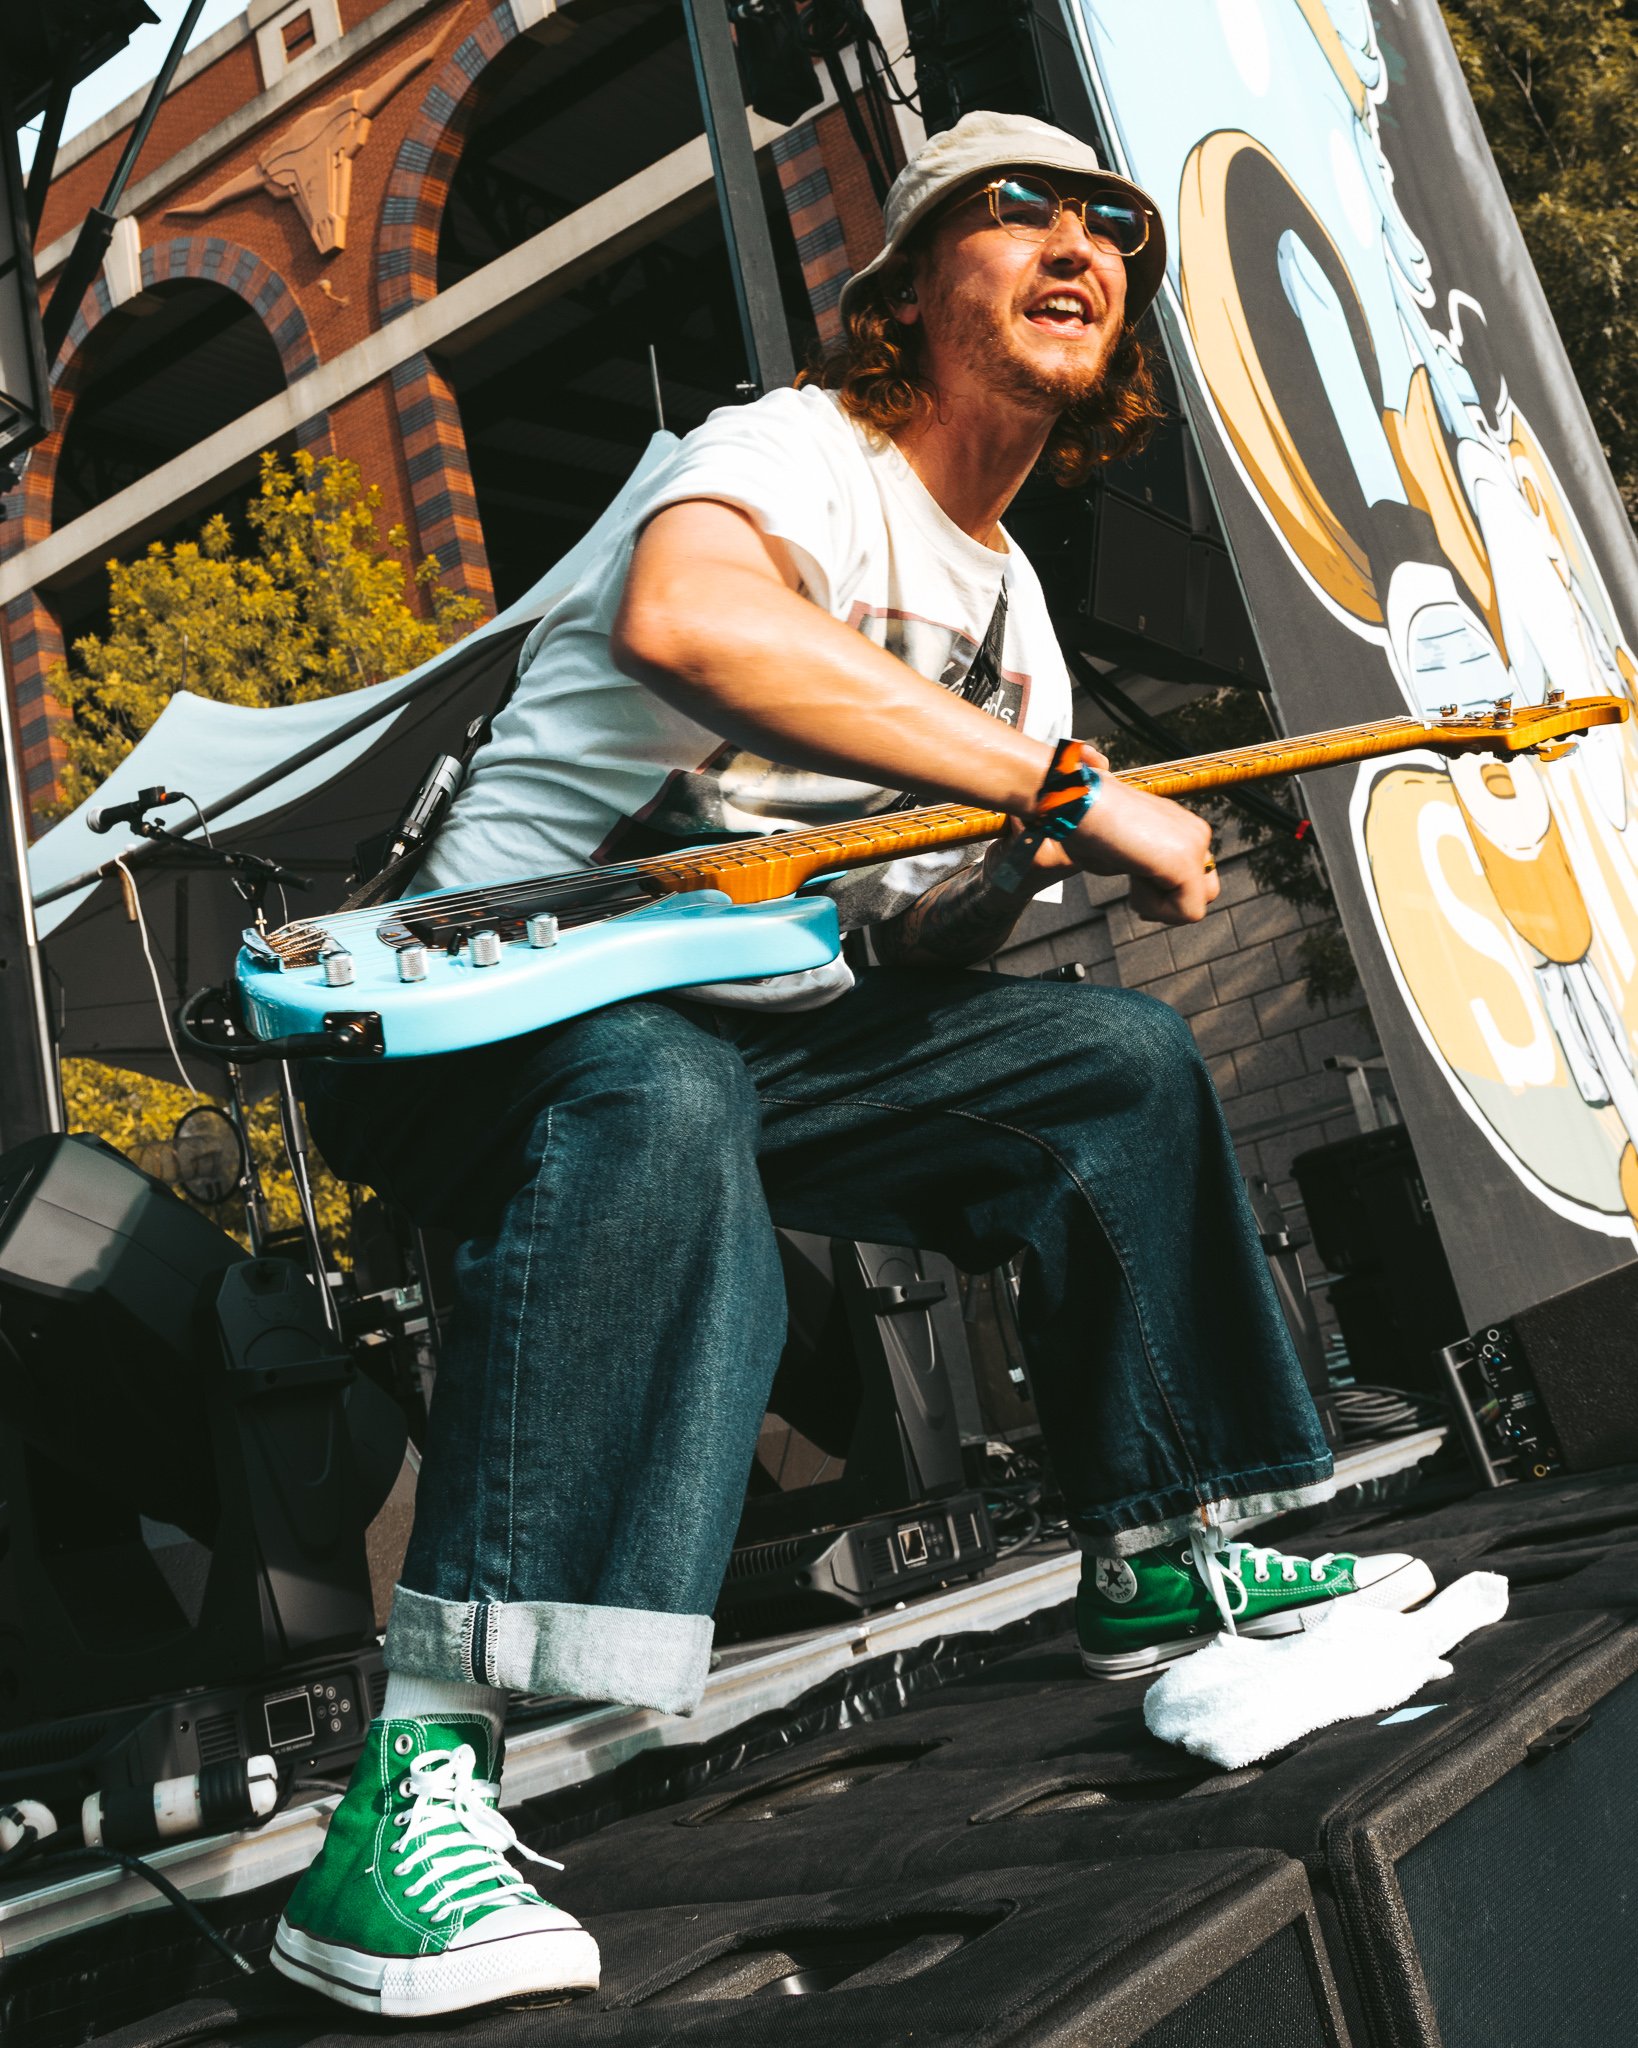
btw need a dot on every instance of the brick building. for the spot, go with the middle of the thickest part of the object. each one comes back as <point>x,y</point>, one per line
<point>461,242</point>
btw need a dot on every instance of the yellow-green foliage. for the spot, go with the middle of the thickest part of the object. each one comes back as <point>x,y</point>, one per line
<point>317,604</point>
<point>136,1114</point>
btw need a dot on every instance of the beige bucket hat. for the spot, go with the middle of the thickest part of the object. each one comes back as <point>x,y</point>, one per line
<point>985,141</point>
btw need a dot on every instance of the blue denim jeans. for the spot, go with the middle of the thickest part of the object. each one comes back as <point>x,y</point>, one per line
<point>620,1303</point>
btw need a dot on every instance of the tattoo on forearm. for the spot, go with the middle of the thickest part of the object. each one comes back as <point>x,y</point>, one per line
<point>957,921</point>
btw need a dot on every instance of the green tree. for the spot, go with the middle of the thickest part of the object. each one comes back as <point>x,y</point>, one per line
<point>1555,83</point>
<point>319,602</point>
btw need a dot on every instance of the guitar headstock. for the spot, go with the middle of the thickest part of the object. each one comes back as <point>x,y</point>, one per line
<point>1546,730</point>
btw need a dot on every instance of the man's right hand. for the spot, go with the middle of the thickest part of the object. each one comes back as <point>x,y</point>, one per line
<point>1160,844</point>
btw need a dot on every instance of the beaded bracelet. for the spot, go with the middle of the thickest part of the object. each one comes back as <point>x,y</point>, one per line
<point>1070,790</point>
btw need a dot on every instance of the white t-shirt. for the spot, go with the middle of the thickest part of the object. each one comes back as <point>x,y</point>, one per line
<point>587,766</point>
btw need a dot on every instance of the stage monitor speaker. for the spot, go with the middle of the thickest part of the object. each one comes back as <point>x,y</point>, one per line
<point>1211,1951</point>
<point>863,1413</point>
<point>1373,1226</point>
<point>1470,1854</point>
<point>187,1461</point>
<point>1555,1387</point>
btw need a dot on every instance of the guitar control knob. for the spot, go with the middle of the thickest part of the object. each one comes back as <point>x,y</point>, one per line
<point>486,949</point>
<point>412,963</point>
<point>338,966</point>
<point>542,929</point>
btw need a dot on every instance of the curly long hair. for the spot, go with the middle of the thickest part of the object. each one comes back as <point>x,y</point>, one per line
<point>874,371</point>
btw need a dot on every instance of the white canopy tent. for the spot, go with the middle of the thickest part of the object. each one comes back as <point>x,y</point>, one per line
<point>302,784</point>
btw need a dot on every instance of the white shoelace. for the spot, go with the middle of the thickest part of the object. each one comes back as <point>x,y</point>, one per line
<point>1207,1549</point>
<point>460,1838</point>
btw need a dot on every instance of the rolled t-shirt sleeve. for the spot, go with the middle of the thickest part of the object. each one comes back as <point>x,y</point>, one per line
<point>784,463</point>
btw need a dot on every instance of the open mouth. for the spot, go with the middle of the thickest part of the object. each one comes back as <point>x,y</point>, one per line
<point>1061,313</point>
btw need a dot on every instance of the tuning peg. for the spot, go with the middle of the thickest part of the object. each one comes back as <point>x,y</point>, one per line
<point>1555,696</point>
<point>1449,711</point>
<point>486,949</point>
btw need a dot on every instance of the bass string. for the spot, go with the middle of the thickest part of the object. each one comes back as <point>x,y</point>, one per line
<point>461,905</point>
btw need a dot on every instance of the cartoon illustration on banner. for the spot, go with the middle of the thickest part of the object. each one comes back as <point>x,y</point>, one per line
<point>1366,404</point>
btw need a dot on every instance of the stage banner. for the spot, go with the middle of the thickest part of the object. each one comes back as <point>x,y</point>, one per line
<point>1421,516</point>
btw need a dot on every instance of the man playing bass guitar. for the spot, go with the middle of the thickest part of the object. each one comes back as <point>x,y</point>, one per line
<point>815,611</point>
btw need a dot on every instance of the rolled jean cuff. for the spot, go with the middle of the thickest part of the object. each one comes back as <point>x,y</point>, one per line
<point>1133,1526</point>
<point>631,1656</point>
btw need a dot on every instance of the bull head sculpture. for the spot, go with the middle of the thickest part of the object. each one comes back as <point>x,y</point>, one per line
<point>312,161</point>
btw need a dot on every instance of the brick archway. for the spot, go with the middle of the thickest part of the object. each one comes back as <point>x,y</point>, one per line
<point>34,641</point>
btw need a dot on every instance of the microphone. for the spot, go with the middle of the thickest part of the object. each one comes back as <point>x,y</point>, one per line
<point>104,817</point>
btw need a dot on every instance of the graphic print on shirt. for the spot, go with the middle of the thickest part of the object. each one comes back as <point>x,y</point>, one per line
<point>736,792</point>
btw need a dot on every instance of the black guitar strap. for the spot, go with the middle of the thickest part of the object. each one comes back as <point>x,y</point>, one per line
<point>982,682</point>
<point>983,679</point>
<point>388,862</point>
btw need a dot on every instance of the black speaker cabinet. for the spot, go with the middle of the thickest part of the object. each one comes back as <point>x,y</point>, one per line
<point>1470,1855</point>
<point>875,1349</point>
<point>1203,1951</point>
<point>1555,1388</point>
<point>1373,1226</point>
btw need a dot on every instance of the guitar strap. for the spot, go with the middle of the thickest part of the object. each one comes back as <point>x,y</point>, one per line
<point>982,680</point>
<point>383,867</point>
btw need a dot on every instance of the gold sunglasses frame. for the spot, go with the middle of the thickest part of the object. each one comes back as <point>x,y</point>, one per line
<point>1079,206</point>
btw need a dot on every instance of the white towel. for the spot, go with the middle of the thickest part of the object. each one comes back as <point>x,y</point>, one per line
<point>1244,1697</point>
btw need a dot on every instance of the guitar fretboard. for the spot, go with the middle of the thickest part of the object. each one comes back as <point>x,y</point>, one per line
<point>763,869</point>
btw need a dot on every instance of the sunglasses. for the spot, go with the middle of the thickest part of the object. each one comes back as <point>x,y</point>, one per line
<point>1031,209</point>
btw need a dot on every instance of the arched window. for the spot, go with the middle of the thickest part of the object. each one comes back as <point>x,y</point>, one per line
<point>162,373</point>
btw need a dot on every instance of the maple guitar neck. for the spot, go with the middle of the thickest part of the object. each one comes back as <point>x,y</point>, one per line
<point>758,870</point>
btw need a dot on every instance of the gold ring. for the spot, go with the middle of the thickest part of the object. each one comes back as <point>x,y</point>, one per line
<point>1211,863</point>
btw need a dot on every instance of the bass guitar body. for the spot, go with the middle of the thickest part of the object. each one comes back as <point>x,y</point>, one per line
<point>465,967</point>
<point>458,998</point>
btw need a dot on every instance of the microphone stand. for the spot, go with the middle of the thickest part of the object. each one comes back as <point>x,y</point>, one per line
<point>252,876</point>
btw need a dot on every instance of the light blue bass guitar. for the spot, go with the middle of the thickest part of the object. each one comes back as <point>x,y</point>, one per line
<point>464,967</point>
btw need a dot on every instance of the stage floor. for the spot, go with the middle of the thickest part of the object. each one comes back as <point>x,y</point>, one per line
<point>576,1745</point>
<point>935,1828</point>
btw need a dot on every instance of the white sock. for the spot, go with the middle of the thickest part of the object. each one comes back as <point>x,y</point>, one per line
<point>410,1698</point>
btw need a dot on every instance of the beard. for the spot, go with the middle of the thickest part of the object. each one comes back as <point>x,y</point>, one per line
<point>978,334</point>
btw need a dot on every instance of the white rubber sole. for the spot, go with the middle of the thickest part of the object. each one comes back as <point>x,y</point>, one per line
<point>1396,1594</point>
<point>556,1959</point>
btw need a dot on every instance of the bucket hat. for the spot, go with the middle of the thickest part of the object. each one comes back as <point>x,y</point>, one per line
<point>986,141</point>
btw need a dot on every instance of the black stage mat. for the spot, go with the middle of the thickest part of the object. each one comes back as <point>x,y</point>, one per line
<point>1174,1952</point>
<point>1471,1863</point>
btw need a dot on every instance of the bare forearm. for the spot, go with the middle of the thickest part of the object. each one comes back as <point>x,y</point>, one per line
<point>753,660</point>
<point>715,622</point>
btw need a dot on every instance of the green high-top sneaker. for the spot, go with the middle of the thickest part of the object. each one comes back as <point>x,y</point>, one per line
<point>411,1907</point>
<point>1133,1614</point>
